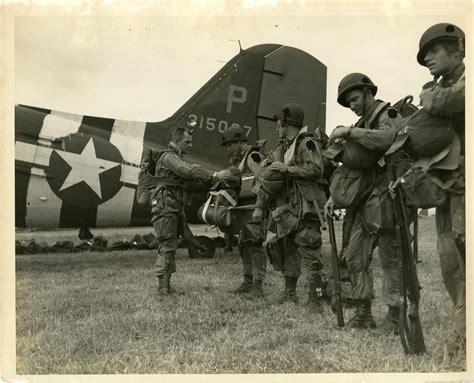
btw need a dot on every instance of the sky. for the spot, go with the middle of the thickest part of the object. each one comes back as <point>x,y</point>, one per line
<point>145,65</point>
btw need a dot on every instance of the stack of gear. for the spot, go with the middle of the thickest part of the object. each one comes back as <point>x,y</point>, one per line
<point>99,243</point>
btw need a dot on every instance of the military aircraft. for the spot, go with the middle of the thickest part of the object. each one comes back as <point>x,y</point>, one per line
<point>74,171</point>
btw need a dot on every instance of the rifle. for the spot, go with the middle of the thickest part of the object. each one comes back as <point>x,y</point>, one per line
<point>335,272</point>
<point>415,236</point>
<point>411,332</point>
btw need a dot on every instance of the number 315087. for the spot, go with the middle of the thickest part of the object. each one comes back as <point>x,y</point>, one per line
<point>211,123</point>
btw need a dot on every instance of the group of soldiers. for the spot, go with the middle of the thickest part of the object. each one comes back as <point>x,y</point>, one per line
<point>292,193</point>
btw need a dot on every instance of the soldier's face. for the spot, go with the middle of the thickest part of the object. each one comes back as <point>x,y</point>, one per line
<point>439,61</point>
<point>186,143</point>
<point>233,148</point>
<point>356,101</point>
<point>282,130</point>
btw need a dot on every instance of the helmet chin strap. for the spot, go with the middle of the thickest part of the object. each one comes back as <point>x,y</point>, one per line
<point>461,47</point>
<point>364,102</point>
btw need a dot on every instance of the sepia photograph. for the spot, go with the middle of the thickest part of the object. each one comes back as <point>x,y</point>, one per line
<point>269,189</point>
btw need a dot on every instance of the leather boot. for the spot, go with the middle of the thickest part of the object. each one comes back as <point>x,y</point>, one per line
<point>289,294</point>
<point>256,291</point>
<point>170,289</point>
<point>163,285</point>
<point>315,294</point>
<point>246,285</point>
<point>391,322</point>
<point>363,315</point>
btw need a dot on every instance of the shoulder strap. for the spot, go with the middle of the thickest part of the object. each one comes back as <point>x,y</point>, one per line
<point>160,158</point>
<point>244,157</point>
<point>377,112</point>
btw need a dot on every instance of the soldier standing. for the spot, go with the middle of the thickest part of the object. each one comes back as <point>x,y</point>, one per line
<point>296,211</point>
<point>168,200</point>
<point>375,131</point>
<point>441,50</point>
<point>251,234</point>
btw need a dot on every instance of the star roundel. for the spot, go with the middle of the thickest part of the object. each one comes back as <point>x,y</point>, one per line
<point>84,170</point>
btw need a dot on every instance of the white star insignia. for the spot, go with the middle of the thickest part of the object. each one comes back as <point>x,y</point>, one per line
<point>85,167</point>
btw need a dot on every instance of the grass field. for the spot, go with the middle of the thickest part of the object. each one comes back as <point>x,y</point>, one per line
<point>97,313</point>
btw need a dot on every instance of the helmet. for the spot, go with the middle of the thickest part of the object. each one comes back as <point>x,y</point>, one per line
<point>291,113</point>
<point>438,32</point>
<point>353,81</point>
<point>233,133</point>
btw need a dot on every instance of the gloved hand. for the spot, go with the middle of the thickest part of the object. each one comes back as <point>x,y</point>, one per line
<point>329,207</point>
<point>257,215</point>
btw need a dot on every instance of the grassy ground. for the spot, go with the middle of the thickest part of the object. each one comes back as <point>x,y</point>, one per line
<point>98,313</point>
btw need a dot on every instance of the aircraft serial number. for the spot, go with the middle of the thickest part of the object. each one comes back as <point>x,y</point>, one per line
<point>211,123</point>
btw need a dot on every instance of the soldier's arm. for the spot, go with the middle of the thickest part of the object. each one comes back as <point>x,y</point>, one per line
<point>377,139</point>
<point>262,200</point>
<point>444,101</point>
<point>310,163</point>
<point>186,170</point>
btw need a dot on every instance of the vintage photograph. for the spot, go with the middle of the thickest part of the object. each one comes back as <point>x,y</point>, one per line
<point>247,187</point>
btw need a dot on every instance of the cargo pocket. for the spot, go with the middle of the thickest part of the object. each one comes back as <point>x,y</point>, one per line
<point>166,226</point>
<point>286,220</point>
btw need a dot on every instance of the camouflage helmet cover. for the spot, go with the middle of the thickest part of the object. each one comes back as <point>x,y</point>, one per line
<point>291,113</point>
<point>232,134</point>
<point>353,81</point>
<point>436,33</point>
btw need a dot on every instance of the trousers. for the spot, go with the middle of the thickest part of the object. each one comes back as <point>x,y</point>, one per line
<point>303,251</point>
<point>166,229</point>
<point>359,253</point>
<point>450,225</point>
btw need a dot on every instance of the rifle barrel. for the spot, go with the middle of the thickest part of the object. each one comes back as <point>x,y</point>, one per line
<point>335,272</point>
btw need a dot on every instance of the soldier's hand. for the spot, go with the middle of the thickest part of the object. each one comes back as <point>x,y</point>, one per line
<point>279,167</point>
<point>223,175</point>
<point>340,131</point>
<point>329,207</point>
<point>257,215</point>
<point>392,186</point>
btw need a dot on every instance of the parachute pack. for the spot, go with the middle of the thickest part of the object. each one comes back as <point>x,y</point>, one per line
<point>146,179</point>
